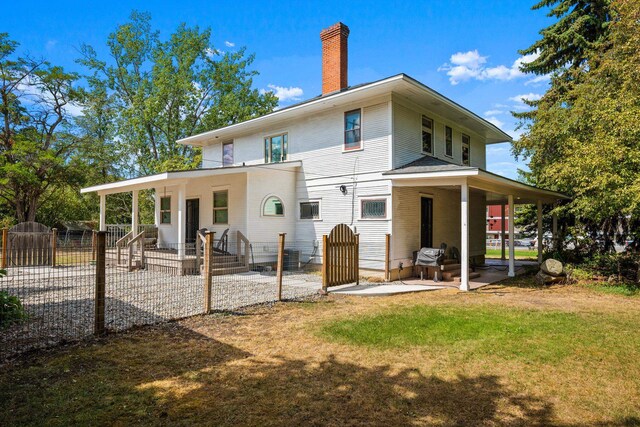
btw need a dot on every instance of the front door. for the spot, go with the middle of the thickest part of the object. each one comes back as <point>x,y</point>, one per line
<point>426,222</point>
<point>193,219</point>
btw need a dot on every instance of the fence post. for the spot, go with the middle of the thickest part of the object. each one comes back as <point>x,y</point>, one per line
<point>387,248</point>
<point>54,246</point>
<point>280,266</point>
<point>93,246</point>
<point>208,278</point>
<point>325,263</point>
<point>100,237</point>
<point>357,256</point>
<point>5,248</point>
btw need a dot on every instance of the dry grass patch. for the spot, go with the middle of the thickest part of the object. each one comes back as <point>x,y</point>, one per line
<point>275,366</point>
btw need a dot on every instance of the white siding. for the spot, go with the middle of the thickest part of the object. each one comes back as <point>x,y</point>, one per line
<point>407,137</point>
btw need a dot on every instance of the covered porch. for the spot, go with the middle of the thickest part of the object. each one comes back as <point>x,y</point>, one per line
<point>437,202</point>
<point>187,203</point>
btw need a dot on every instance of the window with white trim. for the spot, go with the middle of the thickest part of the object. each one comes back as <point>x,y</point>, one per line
<point>373,208</point>
<point>466,147</point>
<point>352,130</point>
<point>165,210</point>
<point>310,209</point>
<point>427,135</point>
<point>221,207</point>
<point>275,148</point>
<point>273,207</point>
<point>448,141</point>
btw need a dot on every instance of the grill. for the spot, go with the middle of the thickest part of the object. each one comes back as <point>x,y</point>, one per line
<point>431,257</point>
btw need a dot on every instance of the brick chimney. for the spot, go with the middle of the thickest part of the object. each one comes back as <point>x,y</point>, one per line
<point>334,57</point>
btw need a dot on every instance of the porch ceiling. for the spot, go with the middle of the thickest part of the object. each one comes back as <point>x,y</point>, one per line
<point>171,178</point>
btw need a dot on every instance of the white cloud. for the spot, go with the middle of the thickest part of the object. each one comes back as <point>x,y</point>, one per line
<point>538,80</point>
<point>51,44</point>
<point>493,112</point>
<point>285,93</point>
<point>463,66</point>
<point>495,121</point>
<point>229,44</point>
<point>526,97</point>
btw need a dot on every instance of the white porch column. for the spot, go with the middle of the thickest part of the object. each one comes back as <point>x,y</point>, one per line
<point>134,211</point>
<point>182,219</point>
<point>539,231</point>
<point>103,212</point>
<point>503,213</point>
<point>464,238</point>
<point>512,251</point>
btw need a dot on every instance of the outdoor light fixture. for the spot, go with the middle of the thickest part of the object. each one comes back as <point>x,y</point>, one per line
<point>343,189</point>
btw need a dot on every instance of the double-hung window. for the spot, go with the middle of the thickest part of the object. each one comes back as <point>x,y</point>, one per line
<point>352,130</point>
<point>275,148</point>
<point>165,210</point>
<point>221,207</point>
<point>227,154</point>
<point>448,141</point>
<point>466,146</point>
<point>427,135</point>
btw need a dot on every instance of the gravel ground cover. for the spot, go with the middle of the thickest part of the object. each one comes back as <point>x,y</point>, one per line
<point>60,302</point>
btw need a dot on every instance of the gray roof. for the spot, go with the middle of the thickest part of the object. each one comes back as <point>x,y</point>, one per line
<point>428,164</point>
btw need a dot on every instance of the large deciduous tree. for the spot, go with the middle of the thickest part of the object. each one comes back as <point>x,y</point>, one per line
<point>165,90</point>
<point>38,140</point>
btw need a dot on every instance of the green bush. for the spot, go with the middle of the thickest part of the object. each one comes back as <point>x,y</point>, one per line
<point>11,309</point>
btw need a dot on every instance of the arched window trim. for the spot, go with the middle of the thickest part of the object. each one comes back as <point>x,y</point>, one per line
<point>264,203</point>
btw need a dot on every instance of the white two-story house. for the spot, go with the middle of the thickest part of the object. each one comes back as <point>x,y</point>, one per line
<point>388,157</point>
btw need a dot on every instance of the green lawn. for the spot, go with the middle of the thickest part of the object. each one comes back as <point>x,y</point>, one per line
<point>520,253</point>
<point>483,332</point>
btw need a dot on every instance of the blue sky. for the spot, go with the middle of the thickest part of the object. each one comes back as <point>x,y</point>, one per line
<point>467,50</point>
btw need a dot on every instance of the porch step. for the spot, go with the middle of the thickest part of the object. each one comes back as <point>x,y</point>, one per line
<point>451,274</point>
<point>471,276</point>
<point>229,270</point>
<point>449,267</point>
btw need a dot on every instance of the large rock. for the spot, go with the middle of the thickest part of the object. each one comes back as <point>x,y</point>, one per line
<point>552,267</point>
<point>543,278</point>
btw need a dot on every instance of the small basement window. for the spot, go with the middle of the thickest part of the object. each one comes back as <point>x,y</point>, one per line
<point>221,207</point>
<point>273,207</point>
<point>310,210</point>
<point>352,134</point>
<point>165,210</point>
<point>374,209</point>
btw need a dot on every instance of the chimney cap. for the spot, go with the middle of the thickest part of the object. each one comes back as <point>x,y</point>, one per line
<point>333,30</point>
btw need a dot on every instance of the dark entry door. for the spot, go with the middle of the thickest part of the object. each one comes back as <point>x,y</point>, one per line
<point>193,219</point>
<point>426,222</point>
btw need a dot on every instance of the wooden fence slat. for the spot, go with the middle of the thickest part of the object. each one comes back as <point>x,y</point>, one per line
<point>340,257</point>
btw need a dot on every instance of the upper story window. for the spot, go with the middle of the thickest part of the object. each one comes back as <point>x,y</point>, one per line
<point>165,210</point>
<point>466,146</point>
<point>448,141</point>
<point>227,154</point>
<point>352,134</point>
<point>275,148</point>
<point>427,135</point>
<point>273,207</point>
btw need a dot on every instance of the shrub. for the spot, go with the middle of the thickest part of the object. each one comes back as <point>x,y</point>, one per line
<point>11,309</point>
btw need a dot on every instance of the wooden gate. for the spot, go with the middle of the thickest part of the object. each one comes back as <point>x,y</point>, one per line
<point>340,259</point>
<point>30,244</point>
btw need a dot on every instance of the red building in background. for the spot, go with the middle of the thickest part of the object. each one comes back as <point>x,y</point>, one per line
<point>494,221</point>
